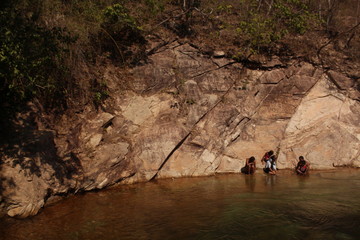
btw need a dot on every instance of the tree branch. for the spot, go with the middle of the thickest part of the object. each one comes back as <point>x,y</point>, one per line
<point>333,39</point>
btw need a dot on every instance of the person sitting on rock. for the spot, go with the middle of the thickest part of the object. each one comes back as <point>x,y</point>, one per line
<point>250,166</point>
<point>302,167</point>
<point>270,165</point>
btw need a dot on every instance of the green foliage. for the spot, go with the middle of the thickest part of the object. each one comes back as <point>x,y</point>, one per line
<point>117,16</point>
<point>87,10</point>
<point>293,14</point>
<point>155,6</point>
<point>263,27</point>
<point>100,92</point>
<point>120,35</point>
<point>31,60</point>
<point>258,32</point>
<point>34,53</point>
<point>226,8</point>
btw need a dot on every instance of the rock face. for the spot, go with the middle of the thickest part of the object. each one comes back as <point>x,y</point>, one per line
<point>185,114</point>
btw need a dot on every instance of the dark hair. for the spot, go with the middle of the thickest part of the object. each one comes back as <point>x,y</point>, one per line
<point>271,152</point>
<point>301,158</point>
<point>273,157</point>
<point>252,159</point>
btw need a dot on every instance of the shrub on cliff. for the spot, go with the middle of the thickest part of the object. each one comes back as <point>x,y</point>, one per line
<point>38,55</point>
<point>266,24</point>
<point>120,34</point>
<point>31,60</point>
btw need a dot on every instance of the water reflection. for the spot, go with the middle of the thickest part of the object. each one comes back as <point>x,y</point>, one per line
<point>266,181</point>
<point>324,205</point>
<point>250,182</point>
<point>270,180</point>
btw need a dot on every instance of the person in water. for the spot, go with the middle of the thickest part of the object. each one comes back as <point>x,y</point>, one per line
<point>302,167</point>
<point>270,165</point>
<point>250,166</point>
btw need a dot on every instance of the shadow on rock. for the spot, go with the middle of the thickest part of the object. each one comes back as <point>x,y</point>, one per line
<point>33,150</point>
<point>30,168</point>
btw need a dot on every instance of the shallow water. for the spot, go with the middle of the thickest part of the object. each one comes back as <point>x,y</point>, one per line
<point>324,205</point>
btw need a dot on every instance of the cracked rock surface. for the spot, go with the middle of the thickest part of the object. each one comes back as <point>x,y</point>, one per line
<point>186,114</point>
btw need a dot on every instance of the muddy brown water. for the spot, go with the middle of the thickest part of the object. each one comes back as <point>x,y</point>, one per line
<point>324,205</point>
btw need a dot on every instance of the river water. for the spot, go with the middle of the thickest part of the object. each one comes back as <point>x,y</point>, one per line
<point>324,205</point>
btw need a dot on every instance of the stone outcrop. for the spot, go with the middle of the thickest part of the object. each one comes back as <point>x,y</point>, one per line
<point>185,114</point>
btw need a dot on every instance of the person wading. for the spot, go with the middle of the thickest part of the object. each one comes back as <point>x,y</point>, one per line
<point>302,167</point>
